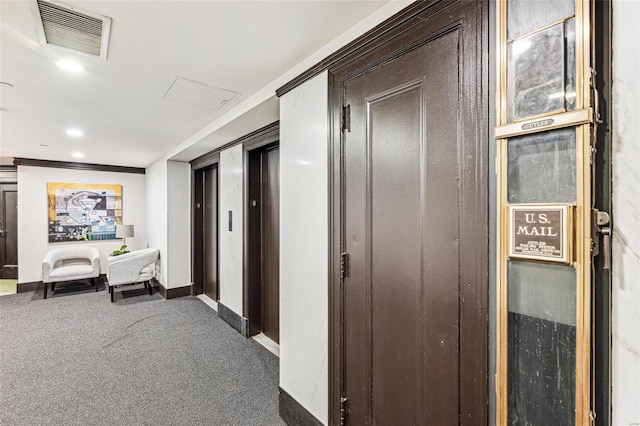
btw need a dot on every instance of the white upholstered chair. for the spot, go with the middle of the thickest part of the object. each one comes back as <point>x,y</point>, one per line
<point>70,263</point>
<point>131,268</point>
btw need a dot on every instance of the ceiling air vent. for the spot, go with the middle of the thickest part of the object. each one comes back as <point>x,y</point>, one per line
<point>70,28</point>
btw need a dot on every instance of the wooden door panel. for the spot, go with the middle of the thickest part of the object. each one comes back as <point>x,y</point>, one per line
<point>401,177</point>
<point>395,281</point>
<point>408,169</point>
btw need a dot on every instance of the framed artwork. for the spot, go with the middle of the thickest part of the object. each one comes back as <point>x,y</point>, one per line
<point>83,211</point>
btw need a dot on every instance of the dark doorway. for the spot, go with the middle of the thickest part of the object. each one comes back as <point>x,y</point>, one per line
<point>409,298</point>
<point>263,241</point>
<point>9,231</point>
<point>205,272</point>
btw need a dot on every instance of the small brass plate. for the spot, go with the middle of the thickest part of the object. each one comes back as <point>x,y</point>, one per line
<point>544,123</point>
<point>541,232</point>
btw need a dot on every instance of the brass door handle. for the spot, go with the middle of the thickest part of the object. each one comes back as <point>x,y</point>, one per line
<point>601,234</point>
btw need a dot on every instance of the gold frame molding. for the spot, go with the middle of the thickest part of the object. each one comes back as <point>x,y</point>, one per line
<point>581,119</point>
<point>542,124</point>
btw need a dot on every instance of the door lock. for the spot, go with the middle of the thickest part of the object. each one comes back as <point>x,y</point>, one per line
<point>601,232</point>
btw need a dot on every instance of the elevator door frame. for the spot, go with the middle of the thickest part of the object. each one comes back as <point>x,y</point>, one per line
<point>252,295</point>
<point>197,219</point>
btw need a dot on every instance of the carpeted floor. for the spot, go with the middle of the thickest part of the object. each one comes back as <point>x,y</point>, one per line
<point>77,359</point>
<point>8,287</point>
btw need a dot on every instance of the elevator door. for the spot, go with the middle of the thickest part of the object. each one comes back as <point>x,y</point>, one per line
<point>263,242</point>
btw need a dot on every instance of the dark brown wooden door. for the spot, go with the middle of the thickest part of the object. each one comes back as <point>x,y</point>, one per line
<point>414,298</point>
<point>271,243</point>
<point>210,240</point>
<point>263,242</point>
<point>205,232</point>
<point>9,231</point>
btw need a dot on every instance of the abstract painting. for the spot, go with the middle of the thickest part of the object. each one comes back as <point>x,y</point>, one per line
<point>83,211</point>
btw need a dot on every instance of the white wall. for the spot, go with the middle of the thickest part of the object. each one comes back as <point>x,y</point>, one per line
<point>168,215</point>
<point>8,176</point>
<point>179,223</point>
<point>304,219</point>
<point>231,242</point>
<point>33,241</point>
<point>156,214</point>
<point>626,214</point>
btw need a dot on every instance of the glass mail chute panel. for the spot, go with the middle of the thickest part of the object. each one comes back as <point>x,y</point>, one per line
<point>541,71</point>
<point>541,338</point>
<point>541,167</point>
<point>541,297</point>
<point>544,111</point>
<point>525,16</point>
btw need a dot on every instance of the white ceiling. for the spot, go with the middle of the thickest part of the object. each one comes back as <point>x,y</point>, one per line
<point>240,46</point>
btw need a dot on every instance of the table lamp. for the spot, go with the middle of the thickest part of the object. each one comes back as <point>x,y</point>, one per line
<point>124,231</point>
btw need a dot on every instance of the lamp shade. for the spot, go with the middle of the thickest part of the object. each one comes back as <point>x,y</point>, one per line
<point>124,231</point>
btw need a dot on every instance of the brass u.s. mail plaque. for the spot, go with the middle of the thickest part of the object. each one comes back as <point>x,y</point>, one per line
<point>541,232</point>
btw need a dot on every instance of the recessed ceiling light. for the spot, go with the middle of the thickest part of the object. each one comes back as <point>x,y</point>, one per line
<point>69,65</point>
<point>76,133</point>
<point>77,155</point>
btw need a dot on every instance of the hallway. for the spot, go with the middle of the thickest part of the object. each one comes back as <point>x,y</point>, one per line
<point>77,359</point>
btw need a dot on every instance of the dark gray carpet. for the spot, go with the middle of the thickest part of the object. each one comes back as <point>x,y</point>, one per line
<point>77,359</point>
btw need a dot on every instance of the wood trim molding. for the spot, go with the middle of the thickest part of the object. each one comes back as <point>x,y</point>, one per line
<point>174,293</point>
<point>293,413</point>
<point>265,136</point>
<point>206,160</point>
<point>163,291</point>
<point>77,166</point>
<point>171,293</point>
<point>270,132</point>
<point>359,44</point>
<point>29,286</point>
